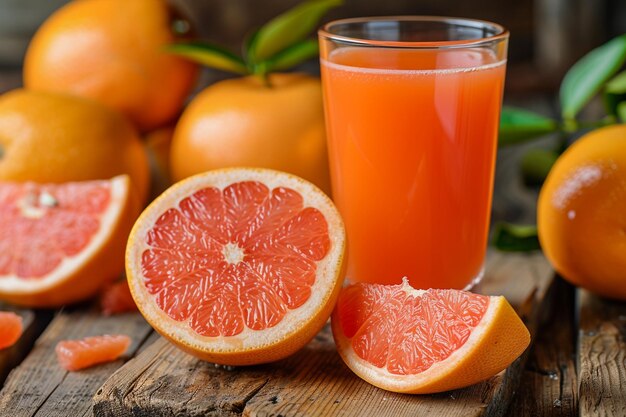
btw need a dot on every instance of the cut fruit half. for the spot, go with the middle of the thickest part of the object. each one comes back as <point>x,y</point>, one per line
<point>422,342</point>
<point>59,243</point>
<point>237,266</point>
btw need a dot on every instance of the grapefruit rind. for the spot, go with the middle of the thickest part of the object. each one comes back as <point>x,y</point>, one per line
<point>56,288</point>
<point>249,346</point>
<point>498,339</point>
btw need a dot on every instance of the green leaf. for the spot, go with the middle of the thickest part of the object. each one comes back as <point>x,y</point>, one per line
<point>293,55</point>
<point>617,84</point>
<point>518,125</point>
<point>515,238</point>
<point>615,92</point>
<point>587,76</point>
<point>621,111</point>
<point>209,55</point>
<point>536,165</point>
<point>287,29</point>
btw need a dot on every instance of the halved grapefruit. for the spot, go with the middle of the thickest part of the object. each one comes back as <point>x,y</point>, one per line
<point>74,355</point>
<point>237,266</point>
<point>60,242</point>
<point>422,342</point>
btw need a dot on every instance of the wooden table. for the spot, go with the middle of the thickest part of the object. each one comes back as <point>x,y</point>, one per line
<point>576,366</point>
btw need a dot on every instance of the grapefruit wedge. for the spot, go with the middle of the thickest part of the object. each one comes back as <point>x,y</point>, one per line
<point>60,242</point>
<point>75,355</point>
<point>414,341</point>
<point>237,266</point>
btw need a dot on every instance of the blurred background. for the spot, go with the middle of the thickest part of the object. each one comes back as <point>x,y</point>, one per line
<point>547,37</point>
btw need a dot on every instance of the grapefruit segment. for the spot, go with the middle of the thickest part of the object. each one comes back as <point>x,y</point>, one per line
<point>11,328</point>
<point>116,299</point>
<point>237,266</point>
<point>414,341</point>
<point>60,242</point>
<point>74,355</point>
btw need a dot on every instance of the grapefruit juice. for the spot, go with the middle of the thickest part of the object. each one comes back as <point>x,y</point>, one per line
<point>412,137</point>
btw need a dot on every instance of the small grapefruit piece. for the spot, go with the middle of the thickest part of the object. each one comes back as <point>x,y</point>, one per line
<point>414,341</point>
<point>237,266</point>
<point>60,242</point>
<point>11,328</point>
<point>116,299</point>
<point>74,355</point>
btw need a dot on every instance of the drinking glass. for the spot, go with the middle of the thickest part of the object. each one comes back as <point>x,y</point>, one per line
<point>412,106</point>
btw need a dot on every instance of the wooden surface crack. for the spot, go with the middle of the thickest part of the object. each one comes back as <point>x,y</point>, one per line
<point>250,396</point>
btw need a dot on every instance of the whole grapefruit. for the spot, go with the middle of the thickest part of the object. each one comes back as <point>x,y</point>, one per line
<point>243,122</point>
<point>581,213</point>
<point>113,51</point>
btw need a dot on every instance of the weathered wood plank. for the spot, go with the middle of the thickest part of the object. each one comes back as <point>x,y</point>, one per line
<point>548,386</point>
<point>34,323</point>
<point>164,381</point>
<point>40,387</point>
<point>601,356</point>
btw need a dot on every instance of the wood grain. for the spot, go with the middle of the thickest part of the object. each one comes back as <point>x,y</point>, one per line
<point>548,386</point>
<point>164,381</point>
<point>40,387</point>
<point>601,356</point>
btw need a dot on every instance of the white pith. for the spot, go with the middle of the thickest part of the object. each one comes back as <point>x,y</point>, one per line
<point>69,265</point>
<point>400,383</point>
<point>326,273</point>
<point>233,253</point>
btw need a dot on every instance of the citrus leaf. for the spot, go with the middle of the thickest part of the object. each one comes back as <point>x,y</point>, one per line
<point>209,55</point>
<point>515,238</point>
<point>621,111</point>
<point>518,125</point>
<point>536,164</point>
<point>615,92</point>
<point>287,29</point>
<point>617,84</point>
<point>293,55</point>
<point>587,76</point>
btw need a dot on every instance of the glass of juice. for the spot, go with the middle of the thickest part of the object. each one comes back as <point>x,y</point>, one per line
<point>412,108</point>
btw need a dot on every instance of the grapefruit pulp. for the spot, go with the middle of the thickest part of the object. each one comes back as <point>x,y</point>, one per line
<point>11,328</point>
<point>74,355</point>
<point>415,341</point>
<point>60,242</point>
<point>116,299</point>
<point>237,266</point>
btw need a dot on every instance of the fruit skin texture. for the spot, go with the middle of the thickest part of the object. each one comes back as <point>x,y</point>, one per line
<point>489,350</point>
<point>274,349</point>
<point>581,214</point>
<point>112,51</point>
<point>241,122</point>
<point>105,264</point>
<point>56,138</point>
